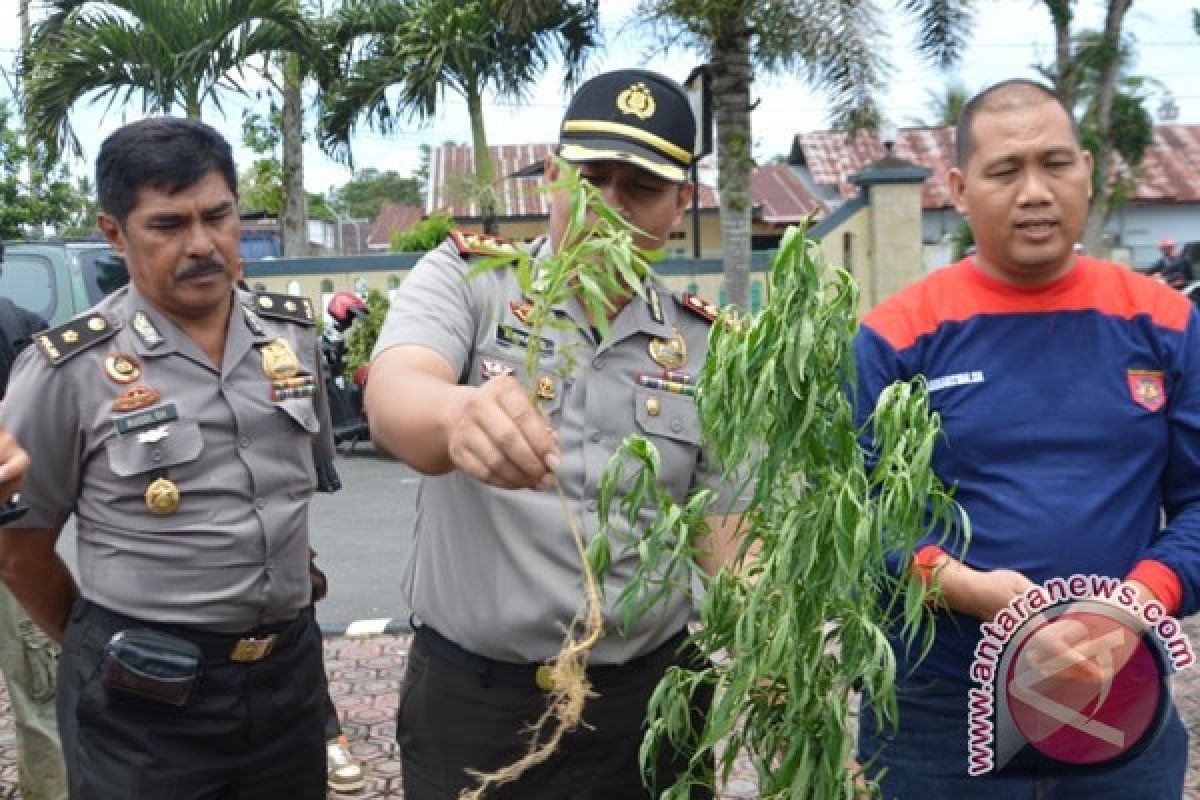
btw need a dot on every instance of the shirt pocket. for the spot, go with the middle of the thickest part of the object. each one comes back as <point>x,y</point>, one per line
<point>302,411</point>
<point>128,455</point>
<point>672,423</point>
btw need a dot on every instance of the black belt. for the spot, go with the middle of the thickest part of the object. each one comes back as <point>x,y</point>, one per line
<point>248,646</point>
<point>523,676</point>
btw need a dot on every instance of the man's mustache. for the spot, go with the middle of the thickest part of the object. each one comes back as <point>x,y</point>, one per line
<point>201,268</point>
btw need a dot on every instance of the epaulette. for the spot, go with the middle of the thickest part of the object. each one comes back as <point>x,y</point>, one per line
<point>481,244</point>
<point>285,306</point>
<point>59,344</point>
<point>699,306</point>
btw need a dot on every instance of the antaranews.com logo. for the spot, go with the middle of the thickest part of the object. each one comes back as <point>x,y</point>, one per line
<point>1076,670</point>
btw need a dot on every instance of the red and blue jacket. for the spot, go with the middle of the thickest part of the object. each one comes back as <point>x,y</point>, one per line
<point>1071,419</point>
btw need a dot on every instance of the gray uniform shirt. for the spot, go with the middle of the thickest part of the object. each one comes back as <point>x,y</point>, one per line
<point>235,552</point>
<point>494,570</point>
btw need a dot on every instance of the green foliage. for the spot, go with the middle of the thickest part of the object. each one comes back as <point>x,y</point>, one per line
<point>963,238</point>
<point>424,235</point>
<point>363,195</point>
<point>597,261</point>
<point>360,341</point>
<point>57,202</point>
<point>260,187</point>
<point>803,622</point>
<point>173,55</point>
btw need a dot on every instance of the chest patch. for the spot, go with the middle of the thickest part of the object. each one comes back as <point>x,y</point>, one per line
<point>1147,388</point>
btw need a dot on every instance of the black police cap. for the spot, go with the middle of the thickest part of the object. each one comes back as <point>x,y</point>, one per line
<point>631,115</point>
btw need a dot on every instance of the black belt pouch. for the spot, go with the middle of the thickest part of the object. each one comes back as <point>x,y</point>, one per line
<point>151,664</point>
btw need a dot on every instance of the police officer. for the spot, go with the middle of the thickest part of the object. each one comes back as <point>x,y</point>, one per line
<point>181,422</point>
<point>495,576</point>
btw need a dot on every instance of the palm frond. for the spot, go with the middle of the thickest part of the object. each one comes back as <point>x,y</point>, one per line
<point>944,25</point>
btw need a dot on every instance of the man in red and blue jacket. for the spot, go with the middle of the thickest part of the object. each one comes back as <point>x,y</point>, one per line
<point>1068,390</point>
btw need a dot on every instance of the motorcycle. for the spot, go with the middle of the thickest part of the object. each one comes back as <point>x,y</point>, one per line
<point>345,396</point>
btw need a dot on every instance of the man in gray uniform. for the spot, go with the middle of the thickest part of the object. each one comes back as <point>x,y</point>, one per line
<point>495,576</point>
<point>181,421</point>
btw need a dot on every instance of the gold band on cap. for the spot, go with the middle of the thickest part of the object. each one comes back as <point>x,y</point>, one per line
<point>670,172</point>
<point>604,126</point>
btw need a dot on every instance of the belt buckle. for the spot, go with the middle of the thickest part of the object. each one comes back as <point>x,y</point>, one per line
<point>251,649</point>
<point>544,677</point>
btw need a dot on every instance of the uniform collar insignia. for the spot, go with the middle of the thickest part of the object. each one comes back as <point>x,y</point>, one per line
<point>146,330</point>
<point>252,322</point>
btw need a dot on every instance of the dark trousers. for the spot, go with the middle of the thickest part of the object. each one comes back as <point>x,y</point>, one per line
<point>926,757</point>
<point>450,719</point>
<point>249,731</point>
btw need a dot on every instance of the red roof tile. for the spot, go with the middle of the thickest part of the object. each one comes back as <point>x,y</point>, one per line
<point>780,197</point>
<point>1170,172</point>
<point>393,218</point>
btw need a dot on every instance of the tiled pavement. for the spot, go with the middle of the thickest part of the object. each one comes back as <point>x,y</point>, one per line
<point>364,677</point>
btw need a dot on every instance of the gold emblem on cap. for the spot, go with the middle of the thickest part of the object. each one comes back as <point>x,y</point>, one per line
<point>278,359</point>
<point>122,368</point>
<point>669,353</point>
<point>70,337</point>
<point>652,406</point>
<point>545,388</point>
<point>97,324</point>
<point>162,497</point>
<point>636,100</point>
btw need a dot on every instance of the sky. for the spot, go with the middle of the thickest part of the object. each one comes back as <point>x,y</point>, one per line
<point>1008,37</point>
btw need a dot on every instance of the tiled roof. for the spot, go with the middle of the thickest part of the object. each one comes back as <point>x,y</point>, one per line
<point>519,197</point>
<point>1170,172</point>
<point>393,218</point>
<point>832,158</point>
<point>780,197</point>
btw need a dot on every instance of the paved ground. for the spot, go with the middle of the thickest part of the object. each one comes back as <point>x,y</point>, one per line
<point>364,678</point>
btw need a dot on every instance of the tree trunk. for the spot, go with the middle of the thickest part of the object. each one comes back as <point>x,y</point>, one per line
<point>484,188</point>
<point>731,106</point>
<point>293,220</point>
<point>1093,237</point>
<point>1065,67</point>
<point>36,155</point>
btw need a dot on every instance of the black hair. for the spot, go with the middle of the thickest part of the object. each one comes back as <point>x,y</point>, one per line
<point>1003,96</point>
<point>165,153</point>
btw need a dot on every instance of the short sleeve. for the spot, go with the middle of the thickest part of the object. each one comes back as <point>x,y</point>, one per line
<point>433,309</point>
<point>41,410</point>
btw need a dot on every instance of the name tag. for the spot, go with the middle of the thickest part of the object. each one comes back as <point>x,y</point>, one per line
<point>149,418</point>
<point>509,336</point>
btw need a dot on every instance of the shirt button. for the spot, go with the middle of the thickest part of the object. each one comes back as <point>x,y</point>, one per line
<point>595,437</point>
<point>591,505</point>
<point>597,363</point>
<point>156,455</point>
<point>260,504</point>
<point>676,425</point>
<point>244,442</point>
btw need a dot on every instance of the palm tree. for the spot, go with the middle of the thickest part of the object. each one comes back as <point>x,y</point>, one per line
<point>1091,70</point>
<point>835,45</point>
<point>174,55</point>
<point>417,51</point>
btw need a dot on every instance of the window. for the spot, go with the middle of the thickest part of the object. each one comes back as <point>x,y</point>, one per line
<point>722,296</point>
<point>326,285</point>
<point>677,235</point>
<point>28,281</point>
<point>756,296</point>
<point>393,281</point>
<point>848,252</point>
<point>693,288</point>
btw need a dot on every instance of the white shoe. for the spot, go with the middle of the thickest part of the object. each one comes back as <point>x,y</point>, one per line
<point>345,774</point>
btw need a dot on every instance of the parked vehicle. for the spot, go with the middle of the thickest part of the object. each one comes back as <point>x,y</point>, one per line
<point>345,395</point>
<point>59,278</point>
